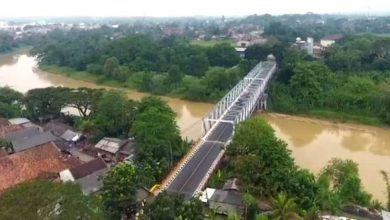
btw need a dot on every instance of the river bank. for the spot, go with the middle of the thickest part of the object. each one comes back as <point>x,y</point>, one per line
<point>339,117</point>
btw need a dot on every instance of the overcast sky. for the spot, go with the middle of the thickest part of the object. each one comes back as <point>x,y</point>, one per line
<point>158,8</point>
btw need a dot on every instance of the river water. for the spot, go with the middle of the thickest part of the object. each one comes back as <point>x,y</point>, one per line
<point>312,142</point>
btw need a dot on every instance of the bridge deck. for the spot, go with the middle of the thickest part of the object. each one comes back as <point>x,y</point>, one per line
<point>188,180</point>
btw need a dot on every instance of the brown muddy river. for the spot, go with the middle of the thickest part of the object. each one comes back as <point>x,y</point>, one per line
<point>312,142</point>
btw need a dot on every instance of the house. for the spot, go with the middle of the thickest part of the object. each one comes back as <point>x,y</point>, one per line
<point>43,161</point>
<point>28,137</point>
<point>225,200</point>
<point>111,149</point>
<point>331,39</point>
<point>88,175</point>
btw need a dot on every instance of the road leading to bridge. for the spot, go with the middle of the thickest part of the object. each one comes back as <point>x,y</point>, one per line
<point>219,124</point>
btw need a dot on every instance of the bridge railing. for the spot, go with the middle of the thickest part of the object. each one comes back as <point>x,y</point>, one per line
<point>256,74</point>
<point>211,118</point>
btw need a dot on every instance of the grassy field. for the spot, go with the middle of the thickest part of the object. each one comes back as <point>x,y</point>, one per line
<point>210,43</point>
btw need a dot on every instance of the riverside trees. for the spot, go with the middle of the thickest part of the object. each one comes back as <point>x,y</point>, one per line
<point>157,65</point>
<point>265,168</point>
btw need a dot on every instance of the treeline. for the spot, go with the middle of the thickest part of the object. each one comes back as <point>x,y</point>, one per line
<point>157,65</point>
<point>353,81</point>
<point>266,171</point>
<point>7,42</point>
<point>107,114</point>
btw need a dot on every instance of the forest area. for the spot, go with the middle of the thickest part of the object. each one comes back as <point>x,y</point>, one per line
<point>163,66</point>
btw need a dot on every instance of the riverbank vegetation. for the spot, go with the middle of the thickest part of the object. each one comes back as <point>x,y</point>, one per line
<point>160,66</point>
<point>351,83</point>
<point>265,170</point>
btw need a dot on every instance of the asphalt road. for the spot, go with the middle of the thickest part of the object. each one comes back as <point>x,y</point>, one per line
<point>190,177</point>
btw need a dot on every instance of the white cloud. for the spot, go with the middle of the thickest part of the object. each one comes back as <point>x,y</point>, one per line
<point>10,8</point>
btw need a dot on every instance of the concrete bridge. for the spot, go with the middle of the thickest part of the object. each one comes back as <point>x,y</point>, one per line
<point>246,97</point>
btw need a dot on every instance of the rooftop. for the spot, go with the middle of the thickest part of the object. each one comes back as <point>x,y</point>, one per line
<point>92,182</point>
<point>70,135</point>
<point>87,168</point>
<point>228,197</point>
<point>42,161</point>
<point>5,130</point>
<point>110,145</point>
<point>18,121</point>
<point>333,37</point>
<point>28,142</point>
<point>22,133</point>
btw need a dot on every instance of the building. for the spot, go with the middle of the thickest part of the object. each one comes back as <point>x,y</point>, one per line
<point>112,149</point>
<point>241,51</point>
<point>88,175</point>
<point>43,161</point>
<point>27,138</point>
<point>225,200</point>
<point>331,39</point>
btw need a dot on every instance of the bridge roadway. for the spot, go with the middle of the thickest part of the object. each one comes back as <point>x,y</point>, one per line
<point>192,175</point>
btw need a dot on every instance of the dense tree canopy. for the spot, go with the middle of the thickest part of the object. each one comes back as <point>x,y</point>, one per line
<point>119,191</point>
<point>174,207</point>
<point>48,200</point>
<point>139,61</point>
<point>157,135</point>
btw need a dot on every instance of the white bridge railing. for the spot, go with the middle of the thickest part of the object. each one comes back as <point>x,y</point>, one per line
<point>249,91</point>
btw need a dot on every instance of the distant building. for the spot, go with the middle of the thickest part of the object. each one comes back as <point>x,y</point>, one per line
<point>43,161</point>
<point>241,51</point>
<point>310,45</point>
<point>331,39</point>
<point>243,44</point>
<point>88,175</point>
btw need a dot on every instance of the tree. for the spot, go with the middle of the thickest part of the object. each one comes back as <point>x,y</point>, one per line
<point>48,200</point>
<point>157,135</point>
<point>174,207</point>
<point>119,191</point>
<point>114,115</point>
<point>45,102</point>
<point>284,208</point>
<point>310,83</point>
<point>345,182</point>
<point>85,100</point>
<point>255,147</point>
<point>111,67</point>
<point>223,55</point>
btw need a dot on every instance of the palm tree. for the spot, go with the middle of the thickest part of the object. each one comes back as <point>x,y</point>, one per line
<point>284,208</point>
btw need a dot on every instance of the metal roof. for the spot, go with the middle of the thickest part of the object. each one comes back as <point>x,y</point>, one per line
<point>23,133</point>
<point>28,142</point>
<point>71,136</point>
<point>110,145</point>
<point>18,121</point>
